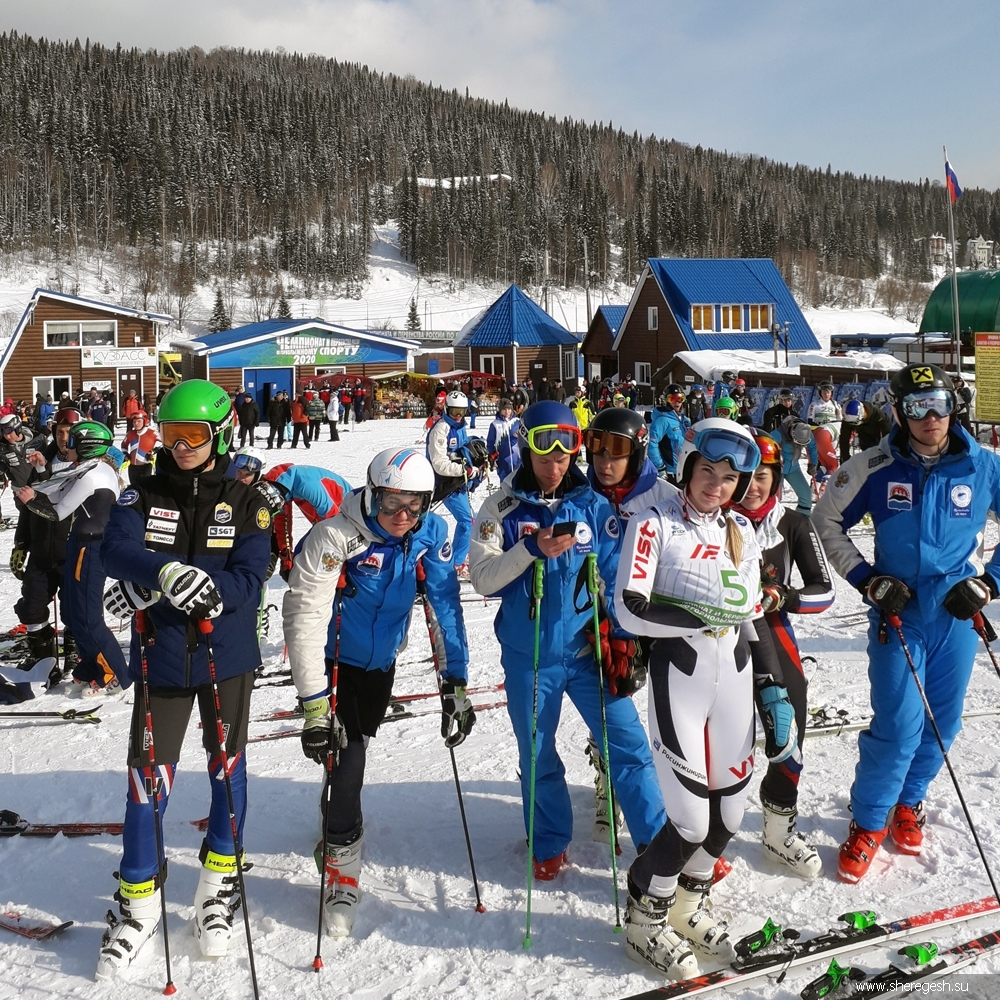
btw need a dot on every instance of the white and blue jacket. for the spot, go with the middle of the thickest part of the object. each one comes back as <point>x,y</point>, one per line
<point>501,440</point>
<point>666,436</point>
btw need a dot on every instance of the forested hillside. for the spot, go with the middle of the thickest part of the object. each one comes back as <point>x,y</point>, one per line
<point>247,164</point>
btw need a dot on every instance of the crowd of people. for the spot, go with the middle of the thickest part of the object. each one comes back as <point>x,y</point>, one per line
<point>667,558</point>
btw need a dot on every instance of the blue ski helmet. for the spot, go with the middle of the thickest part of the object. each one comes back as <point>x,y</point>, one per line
<point>548,413</point>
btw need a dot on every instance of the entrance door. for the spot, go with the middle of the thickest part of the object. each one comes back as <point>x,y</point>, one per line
<point>264,383</point>
<point>129,378</point>
<point>539,370</point>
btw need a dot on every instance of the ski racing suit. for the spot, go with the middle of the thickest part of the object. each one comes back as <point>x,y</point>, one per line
<point>223,527</point>
<point>503,554</point>
<point>929,521</point>
<point>630,498</point>
<point>376,604</point>
<point>677,585</point>
<point>501,440</point>
<point>446,442</point>
<point>666,436</point>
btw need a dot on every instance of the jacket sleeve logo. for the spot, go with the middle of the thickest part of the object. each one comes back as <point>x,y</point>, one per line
<point>263,518</point>
<point>900,496</point>
<point>223,513</point>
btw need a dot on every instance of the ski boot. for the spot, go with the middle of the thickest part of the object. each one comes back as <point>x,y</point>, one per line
<point>782,839</point>
<point>650,939</point>
<point>691,916</point>
<point>462,571</point>
<point>216,901</point>
<point>139,905</point>
<point>602,828</point>
<point>341,894</point>
<point>906,827</point>
<point>546,871</point>
<point>41,646</point>
<point>858,852</point>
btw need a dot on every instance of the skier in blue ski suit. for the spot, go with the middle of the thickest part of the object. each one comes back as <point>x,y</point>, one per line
<point>929,512</point>
<point>790,453</point>
<point>514,530</point>
<point>501,439</point>
<point>666,433</point>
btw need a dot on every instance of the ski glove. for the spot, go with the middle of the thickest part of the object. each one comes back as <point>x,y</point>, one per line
<point>886,592</point>
<point>457,710</point>
<point>191,590</point>
<point>968,597</point>
<point>781,734</point>
<point>124,598</point>
<point>811,469</point>
<point>623,660</point>
<point>316,742</point>
<point>17,560</point>
<point>775,596</point>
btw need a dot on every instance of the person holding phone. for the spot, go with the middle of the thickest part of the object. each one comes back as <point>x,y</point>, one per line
<point>546,511</point>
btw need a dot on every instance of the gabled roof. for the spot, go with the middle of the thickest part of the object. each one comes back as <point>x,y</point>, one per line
<point>269,329</point>
<point>725,281</point>
<point>47,293</point>
<point>613,316</point>
<point>514,319</point>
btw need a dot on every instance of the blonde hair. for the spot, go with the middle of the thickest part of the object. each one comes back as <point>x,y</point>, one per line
<point>734,540</point>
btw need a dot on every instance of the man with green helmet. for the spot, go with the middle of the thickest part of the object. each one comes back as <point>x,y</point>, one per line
<point>185,544</point>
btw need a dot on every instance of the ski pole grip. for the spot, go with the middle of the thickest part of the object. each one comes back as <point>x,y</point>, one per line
<point>894,620</point>
<point>538,585</point>
<point>421,575</point>
<point>205,626</point>
<point>140,621</point>
<point>592,586</point>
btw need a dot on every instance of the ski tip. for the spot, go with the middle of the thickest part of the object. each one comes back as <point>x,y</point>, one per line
<point>480,908</point>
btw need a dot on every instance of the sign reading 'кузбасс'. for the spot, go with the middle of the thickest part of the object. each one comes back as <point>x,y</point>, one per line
<point>309,349</point>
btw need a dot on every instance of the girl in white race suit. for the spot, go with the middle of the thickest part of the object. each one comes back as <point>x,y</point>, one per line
<point>690,580</point>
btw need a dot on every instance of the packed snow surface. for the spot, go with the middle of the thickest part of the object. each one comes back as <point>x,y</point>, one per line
<point>417,933</point>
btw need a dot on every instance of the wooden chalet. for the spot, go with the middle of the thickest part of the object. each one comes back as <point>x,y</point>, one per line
<point>600,358</point>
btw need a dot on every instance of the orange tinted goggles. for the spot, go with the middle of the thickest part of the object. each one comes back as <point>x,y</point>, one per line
<point>194,433</point>
<point>616,445</point>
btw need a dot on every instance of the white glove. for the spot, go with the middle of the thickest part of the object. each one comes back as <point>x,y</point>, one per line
<point>124,598</point>
<point>191,590</point>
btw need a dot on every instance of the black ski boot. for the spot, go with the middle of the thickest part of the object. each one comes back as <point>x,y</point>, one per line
<point>41,644</point>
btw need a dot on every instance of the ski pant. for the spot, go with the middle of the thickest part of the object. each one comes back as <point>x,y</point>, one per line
<point>458,506</point>
<point>83,611</point>
<point>334,434</point>
<point>362,699</point>
<point>898,755</point>
<point>314,426</point>
<point>701,722</point>
<point>359,411</point>
<point>247,430</point>
<point>170,710</point>
<point>300,431</point>
<point>796,478</point>
<point>38,587</point>
<point>781,783</point>
<point>632,772</point>
<point>275,431</point>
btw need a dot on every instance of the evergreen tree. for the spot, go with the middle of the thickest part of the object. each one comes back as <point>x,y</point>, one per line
<point>284,312</point>
<point>413,317</point>
<point>219,321</point>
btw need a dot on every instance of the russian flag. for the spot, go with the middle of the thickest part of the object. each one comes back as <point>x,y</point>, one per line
<point>953,186</point>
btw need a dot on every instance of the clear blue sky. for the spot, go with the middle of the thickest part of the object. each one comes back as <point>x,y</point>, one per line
<point>871,86</point>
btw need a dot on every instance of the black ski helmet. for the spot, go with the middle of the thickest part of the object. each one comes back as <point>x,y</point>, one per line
<point>918,377</point>
<point>624,423</point>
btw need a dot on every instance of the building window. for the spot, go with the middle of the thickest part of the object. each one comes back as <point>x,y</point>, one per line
<point>652,318</point>
<point>760,318</point>
<point>702,318</point>
<point>54,385</point>
<point>491,364</point>
<point>90,334</point>
<point>568,365</point>
<point>643,372</point>
<point>731,318</point>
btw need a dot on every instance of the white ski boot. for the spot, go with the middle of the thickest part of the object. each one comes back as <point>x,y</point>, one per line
<point>139,905</point>
<point>341,894</point>
<point>782,839</point>
<point>216,901</point>
<point>691,916</point>
<point>602,827</point>
<point>649,938</point>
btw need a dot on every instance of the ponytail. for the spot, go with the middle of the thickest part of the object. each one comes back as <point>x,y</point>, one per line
<point>734,540</point>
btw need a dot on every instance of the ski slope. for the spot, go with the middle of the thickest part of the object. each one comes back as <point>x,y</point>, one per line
<point>417,934</point>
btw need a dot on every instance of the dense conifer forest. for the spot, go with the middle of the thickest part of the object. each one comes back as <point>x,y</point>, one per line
<point>245,165</point>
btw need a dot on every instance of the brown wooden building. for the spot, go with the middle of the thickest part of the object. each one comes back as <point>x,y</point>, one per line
<point>64,344</point>
<point>598,347</point>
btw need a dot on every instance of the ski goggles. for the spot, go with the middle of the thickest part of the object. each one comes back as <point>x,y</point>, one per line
<point>412,504</point>
<point>919,405</point>
<point>675,397</point>
<point>719,445</point>
<point>247,463</point>
<point>67,415</point>
<point>770,453</point>
<point>194,433</point>
<point>456,412</point>
<point>545,439</point>
<point>616,445</point>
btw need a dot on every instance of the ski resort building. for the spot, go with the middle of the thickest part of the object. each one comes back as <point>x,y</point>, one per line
<point>704,305</point>
<point>598,344</point>
<point>516,339</point>
<point>64,343</point>
<point>281,354</point>
<point>978,306</point>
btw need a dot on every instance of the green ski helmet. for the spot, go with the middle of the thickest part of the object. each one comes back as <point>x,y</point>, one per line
<point>90,439</point>
<point>198,399</point>
<point>727,408</point>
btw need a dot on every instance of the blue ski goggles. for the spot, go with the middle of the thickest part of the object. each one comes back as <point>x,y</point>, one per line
<point>919,405</point>
<point>249,462</point>
<point>719,445</point>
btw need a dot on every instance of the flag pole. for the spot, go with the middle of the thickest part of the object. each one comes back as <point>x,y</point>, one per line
<point>954,275</point>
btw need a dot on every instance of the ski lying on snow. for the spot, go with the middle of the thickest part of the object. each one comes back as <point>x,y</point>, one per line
<point>12,825</point>
<point>772,950</point>
<point>70,715</point>
<point>37,930</point>
<point>832,727</point>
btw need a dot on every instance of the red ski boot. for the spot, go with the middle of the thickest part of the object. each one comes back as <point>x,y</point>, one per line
<point>906,827</point>
<point>858,852</point>
<point>546,871</point>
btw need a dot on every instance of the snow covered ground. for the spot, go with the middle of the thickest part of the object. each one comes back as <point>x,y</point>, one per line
<point>417,933</point>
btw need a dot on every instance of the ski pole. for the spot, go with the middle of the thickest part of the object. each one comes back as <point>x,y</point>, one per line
<point>140,625</point>
<point>897,624</point>
<point>205,627</point>
<point>422,591</point>
<point>594,589</point>
<point>537,589</point>
<point>986,633</point>
<point>338,608</point>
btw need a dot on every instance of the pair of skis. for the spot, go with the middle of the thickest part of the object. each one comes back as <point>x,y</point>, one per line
<point>70,715</point>
<point>12,825</point>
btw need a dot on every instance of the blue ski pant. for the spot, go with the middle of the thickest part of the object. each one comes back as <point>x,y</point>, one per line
<point>633,774</point>
<point>796,478</point>
<point>459,507</point>
<point>898,753</point>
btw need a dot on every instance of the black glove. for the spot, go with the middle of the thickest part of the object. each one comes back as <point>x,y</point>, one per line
<point>477,452</point>
<point>316,733</point>
<point>886,592</point>
<point>811,469</point>
<point>970,596</point>
<point>17,559</point>
<point>457,711</point>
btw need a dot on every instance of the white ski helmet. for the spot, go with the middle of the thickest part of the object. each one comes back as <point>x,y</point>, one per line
<point>718,439</point>
<point>399,470</point>
<point>250,458</point>
<point>456,400</point>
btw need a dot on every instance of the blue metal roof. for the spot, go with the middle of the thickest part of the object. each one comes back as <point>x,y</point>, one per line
<point>514,318</point>
<point>736,281</point>
<point>613,316</point>
<point>212,343</point>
